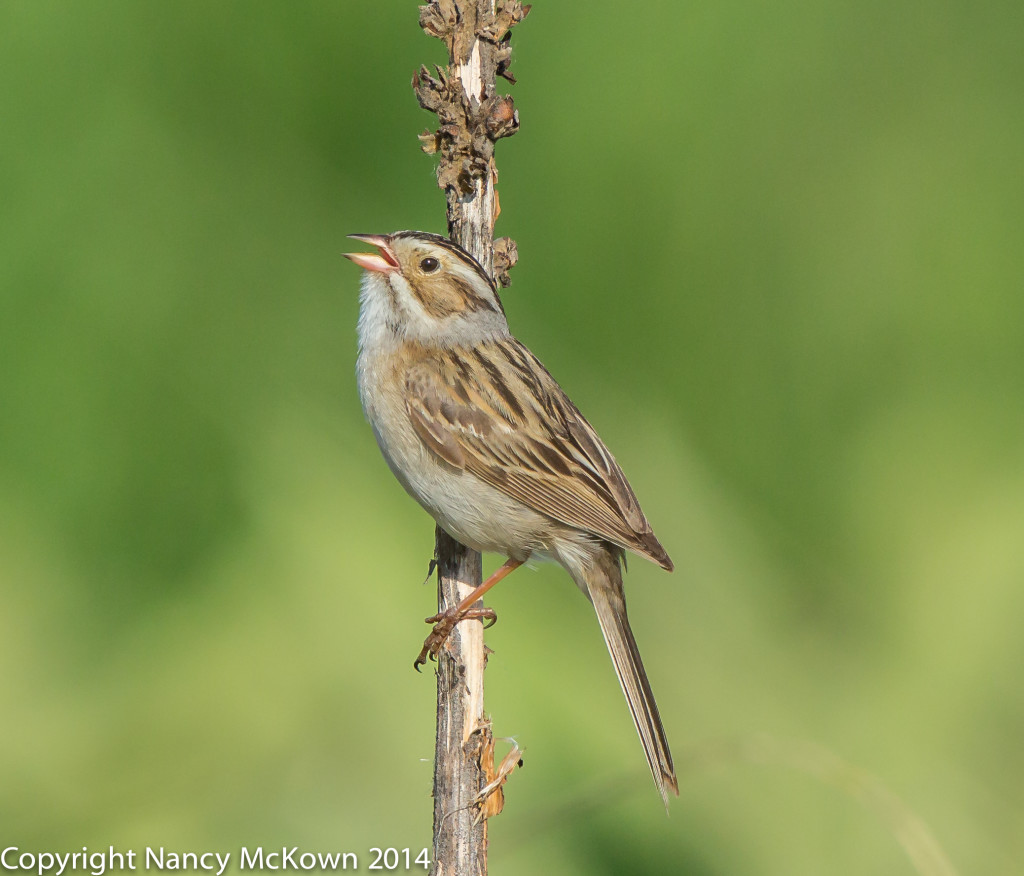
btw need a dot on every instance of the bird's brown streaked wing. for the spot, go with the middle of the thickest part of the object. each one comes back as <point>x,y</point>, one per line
<point>495,411</point>
<point>436,429</point>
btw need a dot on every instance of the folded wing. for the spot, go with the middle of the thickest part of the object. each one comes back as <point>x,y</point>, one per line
<point>495,411</point>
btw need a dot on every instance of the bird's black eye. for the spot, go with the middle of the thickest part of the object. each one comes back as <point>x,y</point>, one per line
<point>429,265</point>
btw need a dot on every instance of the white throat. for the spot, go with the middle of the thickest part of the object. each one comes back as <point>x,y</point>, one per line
<point>390,315</point>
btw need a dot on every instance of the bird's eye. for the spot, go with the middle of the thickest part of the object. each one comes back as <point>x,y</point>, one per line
<point>429,265</point>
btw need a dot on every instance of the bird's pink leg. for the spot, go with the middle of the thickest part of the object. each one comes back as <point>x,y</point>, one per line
<point>445,622</point>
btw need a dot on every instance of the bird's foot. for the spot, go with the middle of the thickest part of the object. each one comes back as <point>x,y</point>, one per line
<point>444,623</point>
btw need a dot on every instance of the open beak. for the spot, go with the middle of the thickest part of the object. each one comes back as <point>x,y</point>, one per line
<point>383,262</point>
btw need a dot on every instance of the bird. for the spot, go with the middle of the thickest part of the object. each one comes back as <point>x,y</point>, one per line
<point>478,432</point>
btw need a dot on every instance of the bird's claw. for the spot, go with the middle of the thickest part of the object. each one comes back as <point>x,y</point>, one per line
<point>444,622</point>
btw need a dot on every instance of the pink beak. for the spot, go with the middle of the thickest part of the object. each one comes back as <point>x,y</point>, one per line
<point>384,262</point>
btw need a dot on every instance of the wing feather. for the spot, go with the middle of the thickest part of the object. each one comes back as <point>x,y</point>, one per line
<point>495,411</point>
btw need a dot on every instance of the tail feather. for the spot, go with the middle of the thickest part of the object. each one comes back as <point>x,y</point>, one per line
<point>604,587</point>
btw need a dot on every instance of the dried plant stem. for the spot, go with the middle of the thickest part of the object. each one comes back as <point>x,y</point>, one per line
<point>460,839</point>
<point>472,118</point>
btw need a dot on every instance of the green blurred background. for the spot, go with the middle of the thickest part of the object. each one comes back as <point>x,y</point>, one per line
<point>775,253</point>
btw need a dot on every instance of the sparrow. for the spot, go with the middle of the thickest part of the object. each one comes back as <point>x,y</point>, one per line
<point>479,433</point>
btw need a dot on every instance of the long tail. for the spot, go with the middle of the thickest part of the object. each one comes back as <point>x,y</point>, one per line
<point>604,587</point>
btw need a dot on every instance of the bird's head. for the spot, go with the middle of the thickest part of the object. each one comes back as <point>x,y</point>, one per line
<point>422,287</point>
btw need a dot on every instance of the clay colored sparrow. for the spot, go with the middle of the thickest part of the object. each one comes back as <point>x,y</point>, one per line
<point>481,435</point>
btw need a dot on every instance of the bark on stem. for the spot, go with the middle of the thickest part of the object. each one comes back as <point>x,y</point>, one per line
<point>460,838</point>
<point>472,118</point>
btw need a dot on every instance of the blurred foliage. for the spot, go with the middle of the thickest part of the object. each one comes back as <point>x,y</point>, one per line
<point>774,252</point>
